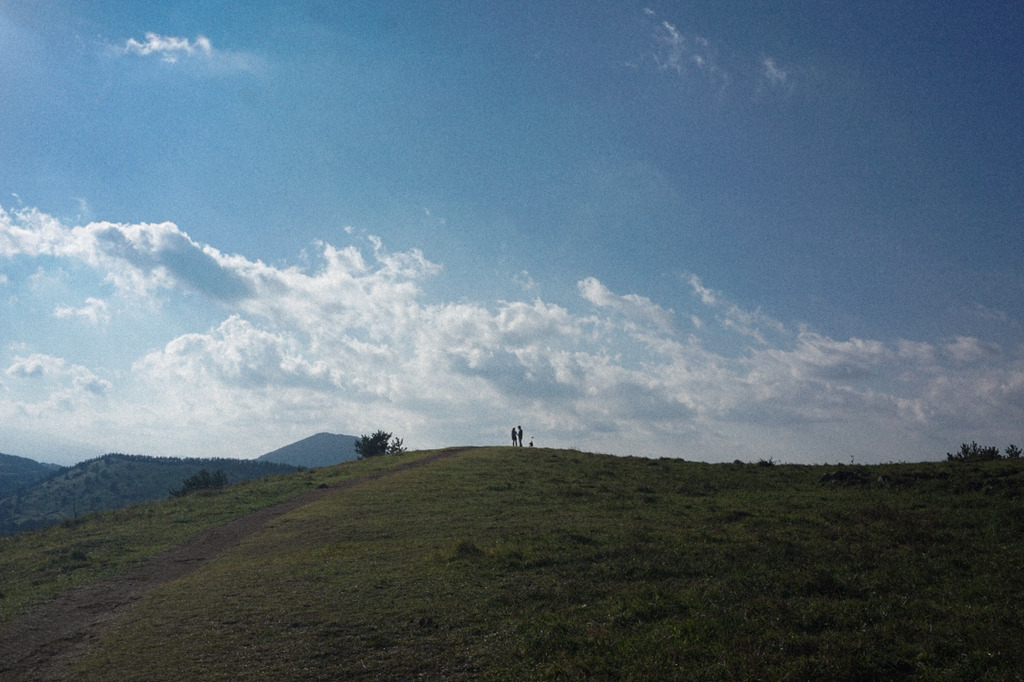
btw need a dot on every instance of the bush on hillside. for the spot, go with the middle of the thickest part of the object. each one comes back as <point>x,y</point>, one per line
<point>203,480</point>
<point>973,453</point>
<point>1012,451</point>
<point>380,443</point>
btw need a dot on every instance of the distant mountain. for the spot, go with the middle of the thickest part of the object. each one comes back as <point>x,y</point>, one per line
<point>321,450</point>
<point>111,482</point>
<point>18,472</point>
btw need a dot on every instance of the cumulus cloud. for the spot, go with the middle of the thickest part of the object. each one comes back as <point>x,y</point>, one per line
<point>239,354</point>
<point>29,232</point>
<point>136,258</point>
<point>44,385</point>
<point>350,342</point>
<point>94,310</point>
<point>42,367</point>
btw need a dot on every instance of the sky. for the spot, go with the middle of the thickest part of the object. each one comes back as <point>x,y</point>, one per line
<point>711,230</point>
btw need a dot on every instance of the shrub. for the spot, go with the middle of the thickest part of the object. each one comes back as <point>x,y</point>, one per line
<point>1012,451</point>
<point>380,443</point>
<point>203,480</point>
<point>973,453</point>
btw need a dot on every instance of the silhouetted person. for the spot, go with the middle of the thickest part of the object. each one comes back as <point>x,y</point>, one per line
<point>514,436</point>
<point>520,436</point>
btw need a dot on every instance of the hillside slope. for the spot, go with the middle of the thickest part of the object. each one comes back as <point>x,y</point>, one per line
<point>111,482</point>
<point>505,563</point>
<point>46,639</point>
<point>320,450</point>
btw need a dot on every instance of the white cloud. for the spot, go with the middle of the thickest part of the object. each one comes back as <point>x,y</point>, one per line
<point>774,78</point>
<point>688,55</point>
<point>237,354</point>
<point>525,281</point>
<point>169,48</point>
<point>137,259</point>
<point>174,49</point>
<point>636,308</point>
<point>983,312</point>
<point>753,324</point>
<point>30,233</point>
<point>698,59</point>
<point>772,73</point>
<point>965,349</point>
<point>40,385</point>
<point>350,343</point>
<point>94,310</point>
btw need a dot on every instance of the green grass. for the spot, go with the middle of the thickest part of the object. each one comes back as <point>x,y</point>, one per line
<point>36,565</point>
<point>504,563</point>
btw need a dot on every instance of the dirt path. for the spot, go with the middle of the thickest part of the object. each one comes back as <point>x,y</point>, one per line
<point>45,643</point>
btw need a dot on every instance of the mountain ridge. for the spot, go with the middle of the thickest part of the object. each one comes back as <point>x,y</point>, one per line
<point>113,481</point>
<point>319,450</point>
<point>17,472</point>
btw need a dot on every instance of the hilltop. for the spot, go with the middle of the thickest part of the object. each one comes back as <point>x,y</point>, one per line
<point>320,450</point>
<point>510,563</point>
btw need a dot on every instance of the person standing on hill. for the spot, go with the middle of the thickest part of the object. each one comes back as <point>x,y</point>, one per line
<point>514,436</point>
<point>520,436</point>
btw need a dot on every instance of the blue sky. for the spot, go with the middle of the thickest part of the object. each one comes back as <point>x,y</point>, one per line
<point>708,230</point>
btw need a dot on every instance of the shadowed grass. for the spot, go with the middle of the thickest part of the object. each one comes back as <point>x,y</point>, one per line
<point>506,563</point>
<point>36,565</point>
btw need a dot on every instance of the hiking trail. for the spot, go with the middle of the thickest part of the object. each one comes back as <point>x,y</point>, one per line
<point>44,643</point>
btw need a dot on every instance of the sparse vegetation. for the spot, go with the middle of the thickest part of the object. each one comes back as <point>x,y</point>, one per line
<point>562,565</point>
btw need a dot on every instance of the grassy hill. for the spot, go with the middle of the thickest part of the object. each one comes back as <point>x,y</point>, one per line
<point>111,482</point>
<point>502,563</point>
<point>18,472</point>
